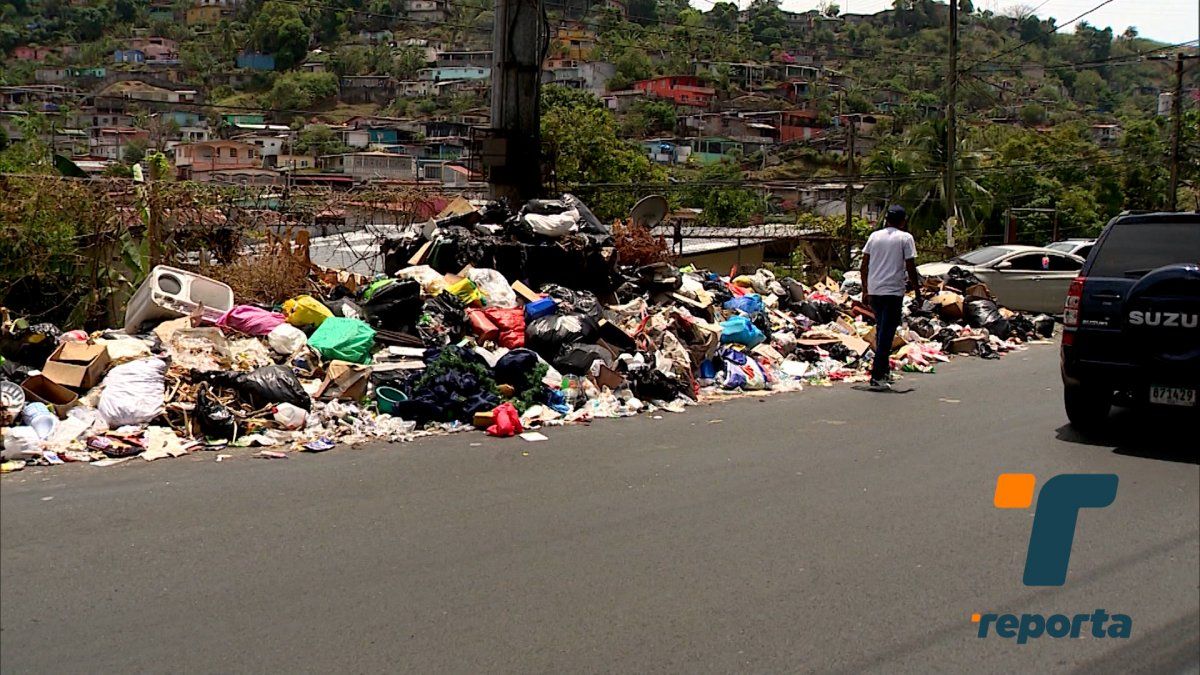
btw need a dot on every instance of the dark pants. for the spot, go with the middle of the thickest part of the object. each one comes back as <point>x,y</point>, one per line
<point>887,320</point>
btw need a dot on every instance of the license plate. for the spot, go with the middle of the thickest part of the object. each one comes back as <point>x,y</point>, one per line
<point>1173,396</point>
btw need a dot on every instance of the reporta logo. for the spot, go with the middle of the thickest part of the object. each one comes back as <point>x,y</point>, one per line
<point>1049,553</point>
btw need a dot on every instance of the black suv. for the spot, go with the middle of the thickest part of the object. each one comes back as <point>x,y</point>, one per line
<point>1132,318</point>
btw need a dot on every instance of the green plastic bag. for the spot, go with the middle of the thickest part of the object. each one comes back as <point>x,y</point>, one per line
<point>343,339</point>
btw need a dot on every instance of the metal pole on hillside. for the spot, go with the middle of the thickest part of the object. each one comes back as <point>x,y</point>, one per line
<point>951,127</point>
<point>848,234</point>
<point>519,41</point>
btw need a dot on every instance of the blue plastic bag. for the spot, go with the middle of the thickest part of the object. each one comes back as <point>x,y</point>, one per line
<point>739,330</point>
<point>750,304</point>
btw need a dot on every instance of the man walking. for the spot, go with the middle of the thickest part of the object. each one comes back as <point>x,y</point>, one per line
<point>889,255</point>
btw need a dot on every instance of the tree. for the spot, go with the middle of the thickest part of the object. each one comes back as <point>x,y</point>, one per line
<point>134,151</point>
<point>722,205</point>
<point>1033,114</point>
<point>723,16</point>
<point>279,29</point>
<point>652,116</point>
<point>1089,87</point>
<point>299,91</point>
<point>319,140</point>
<point>830,9</point>
<point>581,146</point>
<point>644,12</point>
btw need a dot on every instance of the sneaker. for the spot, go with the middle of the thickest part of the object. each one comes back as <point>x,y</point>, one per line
<point>876,385</point>
<point>893,378</point>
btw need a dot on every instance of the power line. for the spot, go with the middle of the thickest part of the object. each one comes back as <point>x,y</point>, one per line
<point>1026,43</point>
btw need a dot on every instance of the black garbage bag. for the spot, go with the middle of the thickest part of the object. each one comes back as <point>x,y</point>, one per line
<point>588,222</point>
<point>262,387</point>
<point>720,291</point>
<point>395,306</point>
<point>577,359</point>
<point>548,335</point>
<point>651,384</point>
<point>923,326</point>
<point>515,367</point>
<point>345,307</point>
<point>1022,327</point>
<point>795,290</point>
<point>809,354</point>
<point>944,336</point>
<point>545,207</point>
<point>14,372</point>
<point>572,301</point>
<point>981,313</point>
<point>658,278</point>
<point>1044,325</point>
<point>840,352</point>
<point>29,344</point>
<point>960,279</point>
<point>818,311</point>
<point>216,421</point>
<point>762,322</point>
<point>443,320</point>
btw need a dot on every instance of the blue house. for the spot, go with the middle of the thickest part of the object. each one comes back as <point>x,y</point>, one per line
<point>256,61</point>
<point>129,56</point>
<point>444,73</point>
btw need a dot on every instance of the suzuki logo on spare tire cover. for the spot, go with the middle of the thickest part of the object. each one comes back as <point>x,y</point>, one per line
<point>1162,314</point>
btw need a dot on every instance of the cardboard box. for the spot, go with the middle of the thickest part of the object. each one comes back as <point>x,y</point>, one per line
<point>949,305</point>
<point>77,365</point>
<point>964,345</point>
<point>483,420</point>
<point>344,381</point>
<point>56,397</point>
<point>525,292</point>
<point>897,342</point>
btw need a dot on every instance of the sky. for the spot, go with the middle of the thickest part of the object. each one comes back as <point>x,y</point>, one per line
<point>1170,21</point>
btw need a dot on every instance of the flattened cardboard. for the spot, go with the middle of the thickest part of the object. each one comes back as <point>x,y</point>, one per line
<point>344,381</point>
<point>897,342</point>
<point>525,292</point>
<point>77,365</point>
<point>964,345</point>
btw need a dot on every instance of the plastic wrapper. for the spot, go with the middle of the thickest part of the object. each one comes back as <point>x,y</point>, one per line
<point>495,288</point>
<point>286,339</point>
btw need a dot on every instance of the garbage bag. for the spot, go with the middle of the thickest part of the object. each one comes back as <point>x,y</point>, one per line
<point>508,421</point>
<point>496,290</point>
<point>394,304</point>
<point>343,339</point>
<point>133,392</point>
<point>347,308</point>
<point>511,323</point>
<point>286,339</point>
<point>750,303</point>
<point>578,359</point>
<point>795,289</point>
<point>216,421</point>
<point>305,310</point>
<point>549,334</point>
<point>262,386</point>
<point>574,301</point>
<point>29,344</point>
<point>651,384</point>
<point>740,330</point>
<point>1044,325</point>
<point>432,281</point>
<point>251,320</point>
<point>482,326</point>
<point>588,222</point>
<point>515,367</point>
<point>960,279</point>
<point>443,320</point>
<point>552,225</point>
<point>819,312</point>
<point>981,313</point>
<point>739,371</point>
<point>1022,326</point>
<point>923,326</point>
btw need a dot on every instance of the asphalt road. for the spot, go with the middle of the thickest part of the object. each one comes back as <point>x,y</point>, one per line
<point>830,530</point>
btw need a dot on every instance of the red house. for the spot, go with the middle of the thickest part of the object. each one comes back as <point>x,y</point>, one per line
<point>680,89</point>
<point>798,125</point>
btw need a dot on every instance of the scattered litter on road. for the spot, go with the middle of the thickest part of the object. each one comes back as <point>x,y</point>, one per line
<point>534,436</point>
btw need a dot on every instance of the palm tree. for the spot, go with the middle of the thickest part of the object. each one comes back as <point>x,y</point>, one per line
<point>926,189</point>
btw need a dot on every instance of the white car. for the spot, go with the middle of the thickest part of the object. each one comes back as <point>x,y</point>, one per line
<point>1079,247</point>
<point>1023,278</point>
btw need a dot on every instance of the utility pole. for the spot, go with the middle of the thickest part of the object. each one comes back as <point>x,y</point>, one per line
<point>851,174</point>
<point>951,130</point>
<point>514,155</point>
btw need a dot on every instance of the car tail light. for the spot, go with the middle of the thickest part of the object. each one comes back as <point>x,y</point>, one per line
<point>1071,309</point>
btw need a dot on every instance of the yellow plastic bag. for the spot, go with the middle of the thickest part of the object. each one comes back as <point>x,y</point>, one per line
<point>305,310</point>
<point>467,291</point>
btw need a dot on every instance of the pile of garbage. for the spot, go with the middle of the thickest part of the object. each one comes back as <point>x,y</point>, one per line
<point>486,319</point>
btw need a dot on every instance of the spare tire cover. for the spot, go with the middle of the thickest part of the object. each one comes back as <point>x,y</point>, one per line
<point>1162,316</point>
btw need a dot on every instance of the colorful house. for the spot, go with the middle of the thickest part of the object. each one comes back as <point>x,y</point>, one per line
<point>197,161</point>
<point>129,56</point>
<point>684,90</point>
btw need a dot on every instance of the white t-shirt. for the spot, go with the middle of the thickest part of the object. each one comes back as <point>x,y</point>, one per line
<point>888,249</point>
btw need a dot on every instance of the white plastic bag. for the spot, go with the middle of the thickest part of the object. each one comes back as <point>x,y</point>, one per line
<point>21,443</point>
<point>431,281</point>
<point>133,393</point>
<point>494,286</point>
<point>286,339</point>
<point>555,225</point>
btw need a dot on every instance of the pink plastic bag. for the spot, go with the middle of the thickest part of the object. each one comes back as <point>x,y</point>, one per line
<point>250,320</point>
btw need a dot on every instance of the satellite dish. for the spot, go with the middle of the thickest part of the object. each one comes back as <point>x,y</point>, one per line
<point>649,212</point>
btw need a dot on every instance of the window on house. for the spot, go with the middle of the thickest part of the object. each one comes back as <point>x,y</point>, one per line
<point>233,153</point>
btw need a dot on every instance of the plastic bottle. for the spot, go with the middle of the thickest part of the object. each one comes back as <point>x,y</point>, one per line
<point>290,416</point>
<point>38,416</point>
